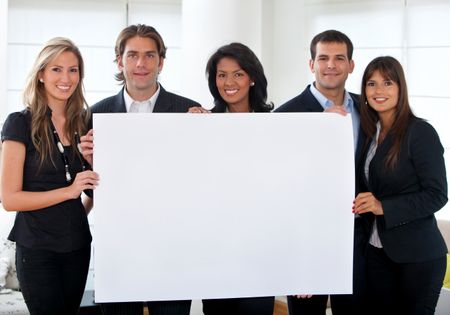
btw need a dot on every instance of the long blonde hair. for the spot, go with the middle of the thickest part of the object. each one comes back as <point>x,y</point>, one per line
<point>34,98</point>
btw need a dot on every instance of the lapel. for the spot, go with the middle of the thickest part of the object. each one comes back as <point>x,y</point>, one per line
<point>162,104</point>
<point>311,103</point>
<point>118,104</point>
<point>355,98</point>
<point>360,146</point>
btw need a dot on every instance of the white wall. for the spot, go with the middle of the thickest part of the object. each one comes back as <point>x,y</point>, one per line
<point>166,17</point>
<point>206,26</point>
<point>32,23</point>
<point>428,65</point>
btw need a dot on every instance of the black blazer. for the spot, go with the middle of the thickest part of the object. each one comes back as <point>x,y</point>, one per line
<point>410,195</point>
<point>165,103</point>
<point>306,102</point>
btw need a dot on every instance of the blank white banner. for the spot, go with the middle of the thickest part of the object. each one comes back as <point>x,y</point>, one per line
<point>195,206</point>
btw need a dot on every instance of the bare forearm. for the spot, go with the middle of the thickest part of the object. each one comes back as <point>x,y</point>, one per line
<point>30,200</point>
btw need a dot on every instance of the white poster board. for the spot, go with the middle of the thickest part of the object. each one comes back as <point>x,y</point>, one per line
<point>194,206</point>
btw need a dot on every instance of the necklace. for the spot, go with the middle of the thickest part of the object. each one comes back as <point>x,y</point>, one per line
<point>64,157</point>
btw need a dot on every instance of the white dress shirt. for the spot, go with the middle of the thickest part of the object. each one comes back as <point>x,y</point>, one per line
<point>146,106</point>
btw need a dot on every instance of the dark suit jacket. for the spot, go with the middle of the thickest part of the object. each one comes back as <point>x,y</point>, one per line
<point>410,195</point>
<point>306,102</point>
<point>165,103</point>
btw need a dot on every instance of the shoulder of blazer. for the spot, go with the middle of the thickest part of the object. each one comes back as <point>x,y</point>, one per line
<point>419,127</point>
<point>304,102</point>
<point>168,102</point>
<point>112,104</point>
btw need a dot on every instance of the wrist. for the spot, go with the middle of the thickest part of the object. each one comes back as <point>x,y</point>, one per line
<point>67,193</point>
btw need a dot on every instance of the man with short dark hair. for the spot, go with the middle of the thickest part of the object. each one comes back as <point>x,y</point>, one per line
<point>331,62</point>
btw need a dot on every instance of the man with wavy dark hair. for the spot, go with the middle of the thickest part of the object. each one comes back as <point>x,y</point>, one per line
<point>140,54</point>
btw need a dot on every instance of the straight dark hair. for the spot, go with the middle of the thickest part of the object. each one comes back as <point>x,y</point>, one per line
<point>392,70</point>
<point>331,36</point>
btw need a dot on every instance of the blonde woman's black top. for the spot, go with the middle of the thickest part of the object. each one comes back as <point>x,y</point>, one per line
<point>62,227</point>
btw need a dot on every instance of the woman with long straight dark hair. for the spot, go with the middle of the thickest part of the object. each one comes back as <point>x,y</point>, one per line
<point>404,183</point>
<point>237,82</point>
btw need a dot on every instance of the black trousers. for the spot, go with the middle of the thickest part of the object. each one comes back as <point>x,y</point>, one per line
<point>52,283</point>
<point>411,288</point>
<point>341,304</point>
<point>155,307</point>
<point>239,306</point>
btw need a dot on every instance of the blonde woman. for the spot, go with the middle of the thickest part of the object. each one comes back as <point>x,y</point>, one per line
<point>43,176</point>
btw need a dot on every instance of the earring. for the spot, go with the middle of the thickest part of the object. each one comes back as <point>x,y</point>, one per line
<point>252,84</point>
<point>41,80</point>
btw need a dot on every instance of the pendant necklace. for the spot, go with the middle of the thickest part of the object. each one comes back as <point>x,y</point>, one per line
<point>64,157</point>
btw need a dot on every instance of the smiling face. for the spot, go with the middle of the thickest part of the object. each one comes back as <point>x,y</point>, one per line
<point>382,94</point>
<point>233,84</point>
<point>60,78</point>
<point>140,65</point>
<point>331,66</point>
